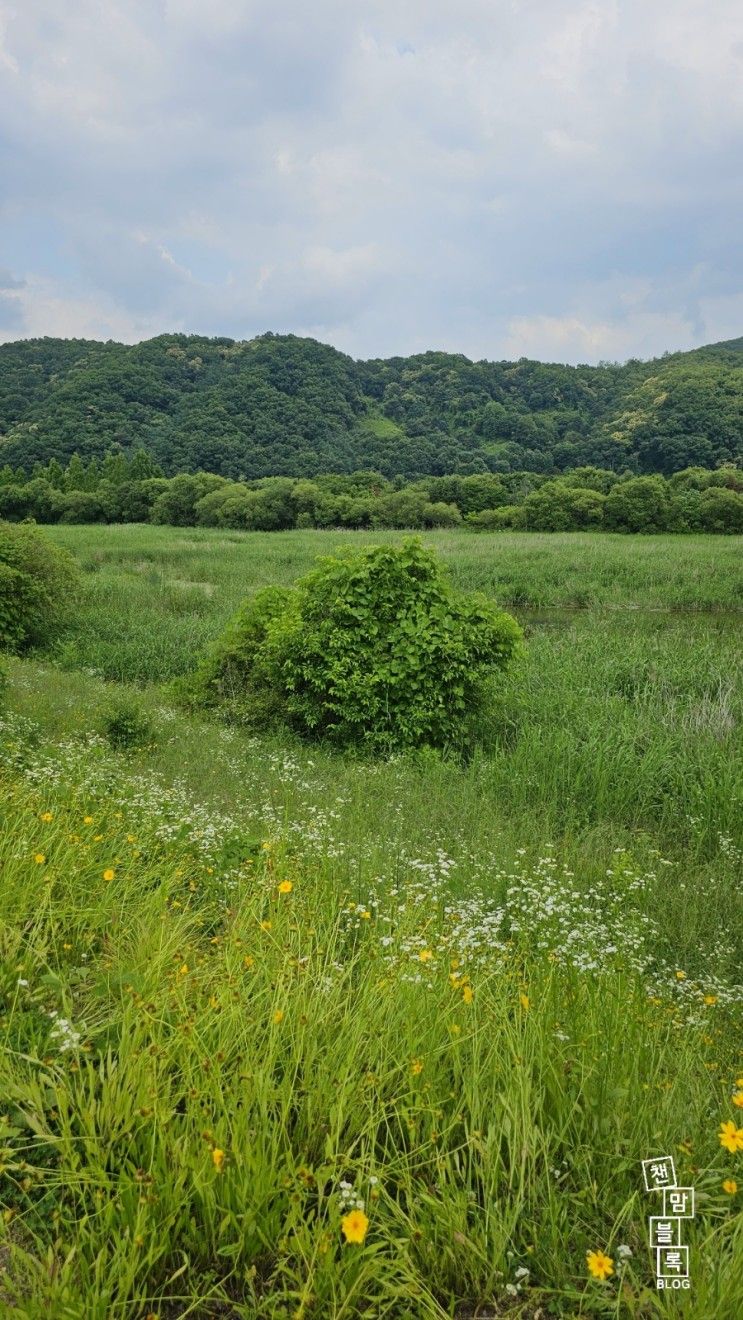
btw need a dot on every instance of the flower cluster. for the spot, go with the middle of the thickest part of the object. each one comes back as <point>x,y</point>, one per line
<point>63,1032</point>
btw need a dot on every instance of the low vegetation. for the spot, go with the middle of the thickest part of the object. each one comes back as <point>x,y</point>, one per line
<point>286,1032</point>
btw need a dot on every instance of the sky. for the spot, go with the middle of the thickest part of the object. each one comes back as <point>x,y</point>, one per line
<point>500,178</point>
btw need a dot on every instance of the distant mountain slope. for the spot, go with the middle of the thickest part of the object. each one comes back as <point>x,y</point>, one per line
<point>283,405</point>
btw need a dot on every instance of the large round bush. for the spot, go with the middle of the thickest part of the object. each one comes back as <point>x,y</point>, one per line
<point>37,581</point>
<point>373,648</point>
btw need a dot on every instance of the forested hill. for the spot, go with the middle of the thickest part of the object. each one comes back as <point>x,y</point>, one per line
<point>283,405</point>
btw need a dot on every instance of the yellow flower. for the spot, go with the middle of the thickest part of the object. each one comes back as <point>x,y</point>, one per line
<point>730,1186</point>
<point>468,994</point>
<point>265,925</point>
<point>87,820</point>
<point>681,976</point>
<point>248,961</point>
<point>524,1002</point>
<point>416,1066</point>
<point>599,1265</point>
<point>425,955</point>
<point>183,970</point>
<point>109,873</point>
<point>354,1226</point>
<point>286,887</point>
<point>738,1099</point>
<point>46,816</point>
<point>278,1016</point>
<point>39,858</point>
<point>218,1158</point>
<point>739,1081</point>
<point>710,999</point>
<point>731,1137</point>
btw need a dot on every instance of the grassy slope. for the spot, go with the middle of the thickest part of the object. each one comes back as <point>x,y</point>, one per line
<point>515,1143</point>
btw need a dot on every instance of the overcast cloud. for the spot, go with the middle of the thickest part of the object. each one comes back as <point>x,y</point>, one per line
<point>494,177</point>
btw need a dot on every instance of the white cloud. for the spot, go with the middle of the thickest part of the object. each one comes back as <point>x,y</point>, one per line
<point>497,176</point>
<point>49,308</point>
<point>572,339</point>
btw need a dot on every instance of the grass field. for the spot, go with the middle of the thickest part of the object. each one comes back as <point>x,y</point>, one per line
<point>190,580</point>
<point>250,986</point>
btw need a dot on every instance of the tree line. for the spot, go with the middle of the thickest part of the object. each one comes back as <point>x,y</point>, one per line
<point>132,488</point>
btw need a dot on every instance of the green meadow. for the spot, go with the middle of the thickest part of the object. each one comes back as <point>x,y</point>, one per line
<point>288,1033</point>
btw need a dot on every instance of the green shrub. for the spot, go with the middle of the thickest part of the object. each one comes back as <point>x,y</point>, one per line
<point>37,582</point>
<point>558,507</point>
<point>240,673</point>
<point>495,520</point>
<point>372,649</point>
<point>126,725</point>
<point>641,504</point>
<point>721,511</point>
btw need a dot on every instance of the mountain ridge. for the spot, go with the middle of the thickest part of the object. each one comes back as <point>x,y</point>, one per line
<point>290,405</point>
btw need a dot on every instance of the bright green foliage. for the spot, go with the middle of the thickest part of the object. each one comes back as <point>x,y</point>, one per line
<point>584,499</point>
<point>639,505</point>
<point>241,673</point>
<point>558,507</point>
<point>373,648</point>
<point>721,510</point>
<point>466,1007</point>
<point>37,580</point>
<point>126,725</point>
<point>240,975</point>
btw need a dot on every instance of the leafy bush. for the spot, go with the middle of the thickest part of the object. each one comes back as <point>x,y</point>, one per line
<point>82,506</point>
<point>126,725</point>
<point>240,673</point>
<point>558,507</point>
<point>721,511</point>
<point>639,505</point>
<point>495,520</point>
<point>37,581</point>
<point>372,649</point>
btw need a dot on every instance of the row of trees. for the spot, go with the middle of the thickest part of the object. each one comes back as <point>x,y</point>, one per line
<point>133,489</point>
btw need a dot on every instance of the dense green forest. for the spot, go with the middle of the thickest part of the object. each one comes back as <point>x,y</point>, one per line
<point>280,405</point>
